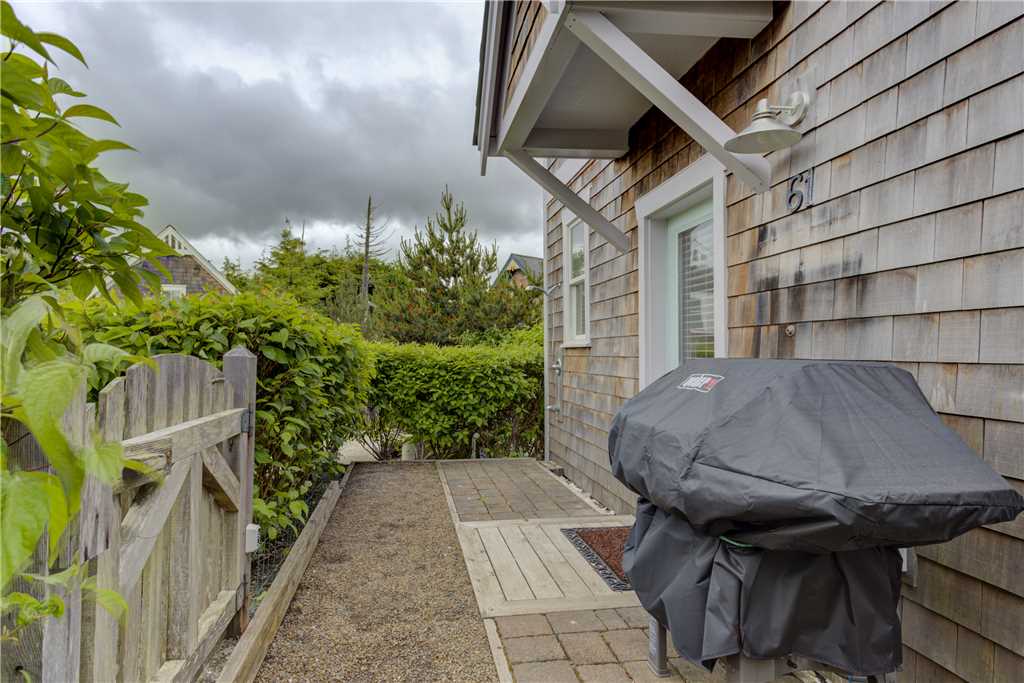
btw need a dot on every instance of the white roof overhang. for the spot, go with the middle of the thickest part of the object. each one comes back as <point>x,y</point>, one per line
<point>595,68</point>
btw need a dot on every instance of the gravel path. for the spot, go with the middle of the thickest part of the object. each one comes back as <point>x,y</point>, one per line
<point>386,596</point>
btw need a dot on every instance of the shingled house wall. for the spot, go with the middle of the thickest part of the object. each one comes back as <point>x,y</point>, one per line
<point>186,270</point>
<point>912,252</point>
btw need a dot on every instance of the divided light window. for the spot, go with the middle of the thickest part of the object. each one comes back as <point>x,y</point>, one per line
<point>174,291</point>
<point>577,282</point>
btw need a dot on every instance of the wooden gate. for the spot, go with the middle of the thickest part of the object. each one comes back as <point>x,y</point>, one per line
<point>172,542</point>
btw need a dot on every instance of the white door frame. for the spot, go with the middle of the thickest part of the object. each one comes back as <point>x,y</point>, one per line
<point>702,180</point>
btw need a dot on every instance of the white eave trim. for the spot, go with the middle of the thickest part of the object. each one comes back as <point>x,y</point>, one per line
<point>630,61</point>
<point>489,81</point>
<point>547,61</point>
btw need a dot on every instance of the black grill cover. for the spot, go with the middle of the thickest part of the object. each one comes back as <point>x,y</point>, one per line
<point>813,472</point>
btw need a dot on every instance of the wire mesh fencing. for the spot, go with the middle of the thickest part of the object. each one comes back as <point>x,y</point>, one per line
<point>267,560</point>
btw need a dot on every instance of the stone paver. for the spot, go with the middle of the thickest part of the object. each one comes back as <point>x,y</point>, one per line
<point>611,619</point>
<point>523,625</point>
<point>583,648</point>
<point>509,489</point>
<point>586,648</point>
<point>533,649</point>
<point>627,645</point>
<point>641,672</point>
<point>603,673</point>
<point>574,622</point>
<point>692,673</point>
<point>544,672</point>
<point>635,617</point>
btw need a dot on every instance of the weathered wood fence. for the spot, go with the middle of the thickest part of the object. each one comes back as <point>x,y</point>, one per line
<point>172,543</point>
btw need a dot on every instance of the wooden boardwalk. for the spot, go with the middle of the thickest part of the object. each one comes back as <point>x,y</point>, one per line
<point>526,565</point>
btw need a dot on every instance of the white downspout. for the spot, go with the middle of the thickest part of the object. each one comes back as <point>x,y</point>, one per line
<point>547,310</point>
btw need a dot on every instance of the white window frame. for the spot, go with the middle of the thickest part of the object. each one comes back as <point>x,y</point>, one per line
<point>172,291</point>
<point>702,180</point>
<point>569,221</point>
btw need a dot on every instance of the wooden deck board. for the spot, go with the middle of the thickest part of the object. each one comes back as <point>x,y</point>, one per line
<point>526,565</point>
<point>536,575</point>
<point>513,584</point>
<point>565,576</point>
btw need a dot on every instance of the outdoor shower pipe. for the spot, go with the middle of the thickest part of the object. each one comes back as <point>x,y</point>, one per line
<point>546,291</point>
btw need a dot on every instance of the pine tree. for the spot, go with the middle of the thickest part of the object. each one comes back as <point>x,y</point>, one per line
<point>443,285</point>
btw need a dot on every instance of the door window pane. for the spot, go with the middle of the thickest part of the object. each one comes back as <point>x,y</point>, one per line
<point>696,293</point>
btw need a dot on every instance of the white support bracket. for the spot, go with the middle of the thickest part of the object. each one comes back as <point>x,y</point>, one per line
<point>639,69</point>
<point>569,199</point>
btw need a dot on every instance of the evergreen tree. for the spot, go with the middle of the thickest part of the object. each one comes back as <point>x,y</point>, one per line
<point>287,268</point>
<point>442,287</point>
<point>235,274</point>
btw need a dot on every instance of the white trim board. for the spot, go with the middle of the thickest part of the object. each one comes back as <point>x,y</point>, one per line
<point>702,180</point>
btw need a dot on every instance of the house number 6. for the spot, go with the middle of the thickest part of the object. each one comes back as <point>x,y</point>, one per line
<point>800,190</point>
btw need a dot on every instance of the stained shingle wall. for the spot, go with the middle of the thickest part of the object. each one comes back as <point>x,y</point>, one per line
<point>912,252</point>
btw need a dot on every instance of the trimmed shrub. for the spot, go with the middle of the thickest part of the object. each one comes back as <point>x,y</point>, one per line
<point>312,379</point>
<point>517,336</point>
<point>442,396</point>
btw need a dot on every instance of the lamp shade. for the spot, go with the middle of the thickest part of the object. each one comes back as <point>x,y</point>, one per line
<point>764,134</point>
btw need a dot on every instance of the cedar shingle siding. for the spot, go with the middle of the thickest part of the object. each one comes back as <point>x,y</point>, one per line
<point>913,252</point>
<point>186,270</point>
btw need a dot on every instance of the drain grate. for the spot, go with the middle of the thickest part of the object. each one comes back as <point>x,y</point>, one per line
<point>610,541</point>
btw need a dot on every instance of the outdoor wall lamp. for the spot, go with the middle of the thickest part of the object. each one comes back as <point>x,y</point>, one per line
<point>771,128</point>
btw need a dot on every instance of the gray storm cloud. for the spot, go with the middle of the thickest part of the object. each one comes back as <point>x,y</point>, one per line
<point>245,113</point>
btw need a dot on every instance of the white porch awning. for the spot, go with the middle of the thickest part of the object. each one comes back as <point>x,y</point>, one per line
<point>593,70</point>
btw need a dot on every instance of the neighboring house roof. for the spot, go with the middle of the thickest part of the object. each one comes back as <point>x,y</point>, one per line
<point>533,265</point>
<point>172,236</point>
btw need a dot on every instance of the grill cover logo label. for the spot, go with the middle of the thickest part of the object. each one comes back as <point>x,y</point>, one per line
<point>700,382</point>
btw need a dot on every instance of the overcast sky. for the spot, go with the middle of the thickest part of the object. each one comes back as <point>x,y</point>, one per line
<point>247,113</point>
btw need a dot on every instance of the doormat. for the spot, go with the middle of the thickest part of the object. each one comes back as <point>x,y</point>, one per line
<point>602,548</point>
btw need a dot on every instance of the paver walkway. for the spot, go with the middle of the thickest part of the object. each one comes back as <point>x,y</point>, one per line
<point>549,616</point>
<point>509,489</point>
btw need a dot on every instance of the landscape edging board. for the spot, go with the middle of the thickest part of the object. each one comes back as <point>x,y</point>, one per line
<point>244,662</point>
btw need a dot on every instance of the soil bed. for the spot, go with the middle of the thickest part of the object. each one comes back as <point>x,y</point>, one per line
<point>608,542</point>
<point>386,596</point>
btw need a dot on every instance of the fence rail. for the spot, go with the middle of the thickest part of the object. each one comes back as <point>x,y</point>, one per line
<point>171,542</point>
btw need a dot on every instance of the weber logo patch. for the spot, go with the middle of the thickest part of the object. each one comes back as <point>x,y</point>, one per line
<point>700,382</point>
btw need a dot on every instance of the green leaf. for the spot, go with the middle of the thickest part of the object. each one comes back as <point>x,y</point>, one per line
<point>61,43</point>
<point>108,599</point>
<point>104,461</point>
<point>26,502</point>
<point>89,111</point>
<point>43,411</point>
<point>298,508</point>
<point>104,353</point>
<point>100,146</point>
<point>14,332</point>
<point>58,86</point>
<point>11,27</point>
<point>61,578</point>
<point>275,354</point>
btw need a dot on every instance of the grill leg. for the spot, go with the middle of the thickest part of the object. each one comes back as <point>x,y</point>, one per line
<point>657,657</point>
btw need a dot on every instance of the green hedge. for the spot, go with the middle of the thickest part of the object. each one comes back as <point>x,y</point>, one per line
<point>312,379</point>
<point>442,396</point>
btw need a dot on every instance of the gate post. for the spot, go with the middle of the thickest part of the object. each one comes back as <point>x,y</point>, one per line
<point>240,371</point>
